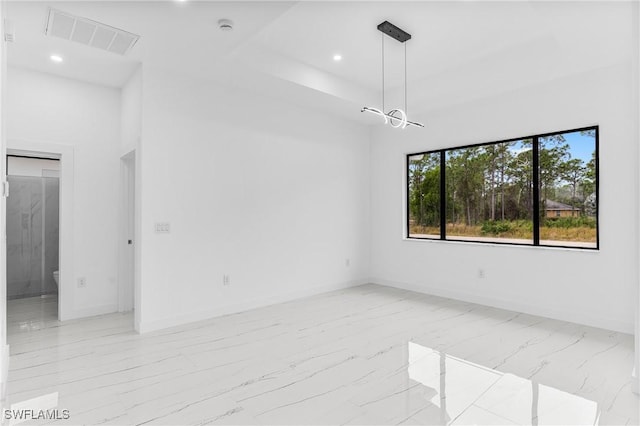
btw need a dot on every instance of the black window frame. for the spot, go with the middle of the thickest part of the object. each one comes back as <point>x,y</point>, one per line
<point>536,190</point>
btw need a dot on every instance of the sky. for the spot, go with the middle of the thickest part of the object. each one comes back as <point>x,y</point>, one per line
<point>580,146</point>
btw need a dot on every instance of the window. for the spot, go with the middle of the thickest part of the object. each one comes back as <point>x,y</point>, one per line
<point>489,192</point>
<point>424,195</point>
<point>568,189</point>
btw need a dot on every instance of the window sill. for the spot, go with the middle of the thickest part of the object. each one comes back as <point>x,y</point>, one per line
<point>479,243</point>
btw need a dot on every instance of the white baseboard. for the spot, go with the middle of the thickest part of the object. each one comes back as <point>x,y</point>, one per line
<point>4,373</point>
<point>159,324</point>
<point>576,317</point>
<point>91,311</point>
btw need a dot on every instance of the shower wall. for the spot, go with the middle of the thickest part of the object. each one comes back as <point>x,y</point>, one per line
<point>32,235</point>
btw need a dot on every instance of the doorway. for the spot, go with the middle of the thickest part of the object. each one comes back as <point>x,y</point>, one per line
<point>127,273</point>
<point>33,241</point>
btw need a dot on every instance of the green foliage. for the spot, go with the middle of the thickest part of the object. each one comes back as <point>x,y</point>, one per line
<point>499,227</point>
<point>571,222</point>
<point>424,185</point>
<point>495,227</point>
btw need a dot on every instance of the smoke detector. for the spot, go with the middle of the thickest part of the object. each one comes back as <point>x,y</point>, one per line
<point>225,24</point>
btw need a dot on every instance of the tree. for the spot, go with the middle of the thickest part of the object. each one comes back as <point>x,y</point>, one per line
<point>552,154</point>
<point>519,173</point>
<point>465,182</point>
<point>424,189</point>
<point>589,186</point>
<point>573,172</point>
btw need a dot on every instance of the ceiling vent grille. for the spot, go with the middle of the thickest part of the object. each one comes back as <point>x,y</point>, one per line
<point>91,33</point>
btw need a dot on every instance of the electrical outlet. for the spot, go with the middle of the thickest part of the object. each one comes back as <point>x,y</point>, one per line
<point>480,273</point>
<point>82,282</point>
<point>226,280</point>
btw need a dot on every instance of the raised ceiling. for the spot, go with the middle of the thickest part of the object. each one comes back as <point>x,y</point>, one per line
<point>460,50</point>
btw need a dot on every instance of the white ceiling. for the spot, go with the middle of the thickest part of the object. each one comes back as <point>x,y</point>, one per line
<point>460,50</point>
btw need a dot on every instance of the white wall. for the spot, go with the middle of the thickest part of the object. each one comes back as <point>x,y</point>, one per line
<point>278,197</point>
<point>275,196</point>
<point>131,113</point>
<point>85,120</point>
<point>588,287</point>
<point>4,348</point>
<point>131,132</point>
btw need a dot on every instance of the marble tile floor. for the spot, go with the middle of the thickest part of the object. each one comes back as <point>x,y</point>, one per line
<point>31,313</point>
<point>364,355</point>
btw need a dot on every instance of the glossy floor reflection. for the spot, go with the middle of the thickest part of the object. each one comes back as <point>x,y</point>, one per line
<point>365,355</point>
<point>462,392</point>
<point>31,313</point>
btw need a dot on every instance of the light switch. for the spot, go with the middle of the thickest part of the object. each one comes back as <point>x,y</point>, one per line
<point>163,228</point>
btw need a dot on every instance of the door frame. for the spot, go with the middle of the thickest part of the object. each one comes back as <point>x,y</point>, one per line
<point>65,154</point>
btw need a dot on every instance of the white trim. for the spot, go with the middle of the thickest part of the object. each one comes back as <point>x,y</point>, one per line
<point>635,85</point>
<point>516,246</point>
<point>4,348</point>
<point>583,318</point>
<point>91,311</point>
<point>137,241</point>
<point>148,326</point>
<point>4,358</point>
<point>66,288</point>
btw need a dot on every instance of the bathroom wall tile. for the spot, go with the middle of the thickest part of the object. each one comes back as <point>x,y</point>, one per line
<point>26,227</point>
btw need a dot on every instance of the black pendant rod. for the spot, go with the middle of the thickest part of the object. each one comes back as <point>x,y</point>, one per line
<point>382,38</point>
<point>405,79</point>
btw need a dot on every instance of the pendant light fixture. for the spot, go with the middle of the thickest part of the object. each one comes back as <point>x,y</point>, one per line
<point>396,117</point>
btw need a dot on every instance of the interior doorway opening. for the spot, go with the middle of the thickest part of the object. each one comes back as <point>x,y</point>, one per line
<point>33,240</point>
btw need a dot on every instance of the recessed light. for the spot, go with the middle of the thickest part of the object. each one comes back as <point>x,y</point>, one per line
<point>56,58</point>
<point>337,58</point>
<point>225,24</point>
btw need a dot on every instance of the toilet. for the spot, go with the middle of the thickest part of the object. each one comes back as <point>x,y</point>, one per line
<point>56,275</point>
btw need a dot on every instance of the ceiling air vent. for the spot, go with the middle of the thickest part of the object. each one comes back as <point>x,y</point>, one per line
<point>91,33</point>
